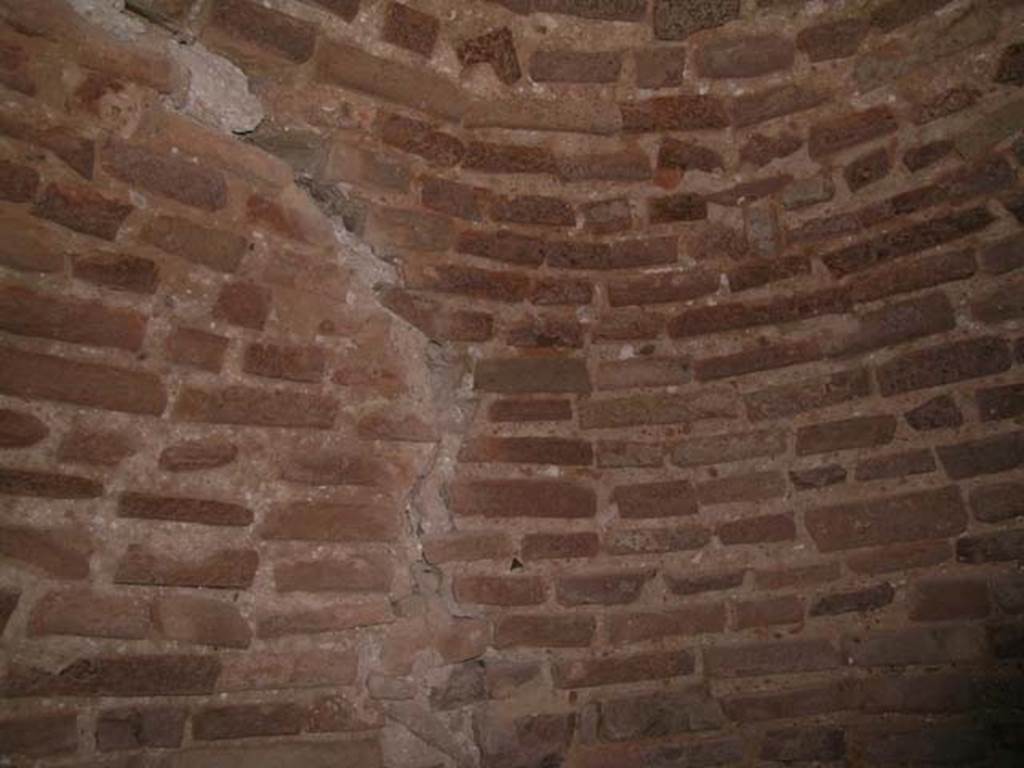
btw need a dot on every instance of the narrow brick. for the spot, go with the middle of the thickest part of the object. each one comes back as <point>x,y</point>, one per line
<point>558,66</point>
<point>47,485</point>
<point>613,670</point>
<point>527,450</point>
<point>82,210</point>
<point>916,646</point>
<point>756,359</point>
<point>201,621</point>
<point>541,631</point>
<point>762,529</point>
<point>738,488</point>
<point>371,572</point>
<point>685,112</point>
<point>895,465</point>
<point>944,364</point>
<point>996,502</point>
<point>788,703</point>
<point>791,399</point>
<point>140,727</point>
<point>745,56</point>
<point>258,407</point>
<point>642,372</point>
<point>858,432</point>
<point>523,375</point>
<point>854,601</point>
<point>466,546</point>
<point>90,613</point>
<point>185,510</point>
<point>170,176</point>
<point>121,676</point>
<point>650,541</point>
<point>117,272</point>
<point>686,584</point>
<point>939,412</point>
<point>516,410</point>
<point>710,403</point>
<point>830,40</point>
<point>662,287</point>
<point>947,599</point>
<point>767,612</point>
<point>243,720</point>
<point>776,101</point>
<point>330,521</point>
<point>498,590</point>
<point>899,557</point>
<point>559,546</point>
<point>497,48</point>
<point>695,619</point>
<point>283,36</point>
<point>524,498</point>
<point>219,569</point>
<point>912,274</point>
<point>736,315</point>
<point>197,455</point>
<point>988,455</point>
<point>771,658</point>
<point>835,134</point>
<point>1001,547</point>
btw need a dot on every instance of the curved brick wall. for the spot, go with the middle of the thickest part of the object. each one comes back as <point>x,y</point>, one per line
<point>525,383</point>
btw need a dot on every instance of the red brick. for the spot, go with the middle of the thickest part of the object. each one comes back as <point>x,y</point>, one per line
<point>662,287</point>
<point>1000,304</point>
<point>685,112</point>
<point>527,450</point>
<point>490,285</point>
<point>916,646</point>
<point>330,521</point>
<point>466,546</point>
<point>681,207</point>
<point>761,358</point>
<point>122,676</point>
<point>334,617</point>
<point>642,372</point>
<point>20,430</point>
<point>898,557</point>
<point>633,410</point>
<point>183,510</point>
<point>775,101</point>
<point>913,516</point>
<point>18,183</point>
<point>696,753</point>
<point>660,67</point>
<point>523,498</point>
<point>44,377</point>
<point>832,39</point>
<point>621,254</point>
<point>907,275</point>
<point>33,736</point>
<point>265,28</point>
<point>920,157</point>
<point>219,569</point>
<point>761,149</point>
<point>559,546</point>
<point>497,48</point>
<point>277,361</point>
<point>937,413</point>
<point>678,19</point>
<point>623,165</point>
<point>744,56</point>
<point>945,599</point>
<point>117,272</point>
<point>310,465</point>
<point>848,130</point>
<point>82,210</point>
<point>816,478</point>
<point>244,720</point>
<point>905,241</point>
<point>508,158</point>
<point>459,200</point>
<point>135,728</point>
<point>47,485</point>
<point>195,348</point>
<point>219,250</point>
<point>752,486</point>
<point>754,274</point>
<point>651,500</point>
<point>685,584</point>
<point>858,600</point>
<point>944,364</point>
<point>770,658</point>
<point>765,612</point>
<point>788,703</point>
<point>613,588</point>
<point>100,448</point>
<point>546,333</point>
<point>200,621</point>
<point>867,169</point>
<point>358,573</point>
<point>735,315</point>
<point>814,743</point>
<point>557,66</point>
<point>258,407</point>
<point>627,325</point>
<point>895,465</point>
<point>543,631</point>
<point>421,139</point>
<point>919,694</point>
<point>613,670</point>
<point>410,29</point>
<point>524,375</point>
<point>922,743</point>
<point>534,210</point>
<point>335,714</point>
<point>696,619</point>
<point>945,103</point>
<point>607,217</point>
<point>791,399</point>
<point>498,590</point>
<point>433,318</point>
<point>27,247</point>
<point>186,182</point>
<point>1001,547</point>
<point>512,410</point>
<point>650,541</point>
<point>197,455</point>
<point>502,246</point>
<point>660,714</point>
<point>729,447</point>
<point>243,303</point>
<point>607,10</point>
<point>624,453</point>
<point>87,613</point>
<point>346,9</point>
<point>858,432</point>
<point>996,502</point>
<point>757,530</point>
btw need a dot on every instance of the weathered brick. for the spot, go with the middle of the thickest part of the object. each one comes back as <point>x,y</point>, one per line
<point>791,399</point>
<point>559,546</point>
<point>684,206</point>
<point>559,66</point>
<point>243,303</point>
<point>535,210</point>
<point>19,429</point>
<point>265,28</point>
<point>709,403</point>
<point>912,274</point>
<point>523,498</point>
<point>82,210</point>
<point>117,272</point>
<point>218,569</point>
<point>766,612</point>
<point>788,703</point>
<point>702,752</point>
<point>498,590</point>
<point>89,613</point>
<point>62,553</point>
<point>277,361</point>
<point>192,184</point>
<point>858,600</point>
<point>945,599</point>
<point>922,743</point>
<point>523,375</point>
<point>995,502</point>
<point>607,217</point>
<point>607,10</point>
<point>1001,303</point>
<point>867,169</point>
<point>411,29</point>
<point>662,287</point>
<point>944,364</point>
<point>195,348</point>
<point>858,432</point>
<point>916,646</point>
<point>136,728</point>
<point>895,465</point>
<point>185,510</point>
<point>918,694</point>
<point>201,621</point>
<point>47,485</point>
<point>611,588</point>
<point>685,112</point>
<point>623,165</point>
<point>913,516</point>
<point>649,541</point>
<point>1010,68</point>
<point>752,486</point>
<point>937,413</point>
<point>242,720</point>
<point>334,617</point>
<point>991,548</point>
<point>448,197</point>
<point>754,274</point>
<point>660,714</point>
<point>149,675</point>
<point>260,407</point>
<point>757,530</point>
<point>508,158</point>
<point>848,130</point>
<point>685,584</point>
<point>988,455</point>
<point>217,249</point>
<point>832,39</point>
<point>625,453</point>
<point>776,101</point>
<point>18,183</point>
<point>770,658</point>
<point>527,450</point>
<point>543,631</point>
<point>612,670</point>
<point>197,455</point>
<point>920,157</point>
<point>101,448</point>
<point>513,410</point>
<point>659,67</point>
<point>371,572</point>
<point>809,743</point>
<point>36,736</point>
<point>695,619</point>
<point>678,19</point>
<point>744,56</point>
<point>348,521</point>
<point>649,500</point>
<point>622,254</point>
<point>309,465</point>
<point>490,285</point>
<point>755,359</point>
<point>686,155</point>
<point>432,318</point>
<point>796,576</point>
<point>735,315</point>
<point>466,546</point>
<point>816,478</point>
<point>321,754</point>
<point>497,48</point>
<point>899,557</point>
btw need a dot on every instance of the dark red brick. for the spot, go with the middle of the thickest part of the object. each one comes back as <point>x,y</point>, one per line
<point>916,646</point>
<point>809,743</point>
<point>285,36</point>
<point>411,29</point>
<point>841,132</point>
<point>197,455</point>
<point>766,612</point>
<point>647,409</point>
<point>685,584</point>
<point>940,412</point>
<point>485,284</point>
<point>757,530</point>
<point>243,303</point>
<point>988,455</point>
<point>508,158</point>
<point>867,169</point>
<point>770,658</point>
<point>1002,303</point>
<point>996,502</point>
<point>622,165</point>
<point>946,599</point>
<point>817,477</point>
<point>535,210</point>
<point>421,139</point>
<point>82,210</point>
<point>137,728</point>
<point>276,361</point>
<point>606,217</point>
<point>453,199</point>
<point>36,736</point>
<point>685,155</point>
<point>173,177</point>
<point>496,48</point>
<point>832,39</point>
<point>117,272</point>
<point>1004,402</point>
<point>152,675</point>
<point>760,149</point>
<point>523,498</point>
<point>686,112</point>
<point>788,703</point>
<point>920,157</point>
<point>653,500</point>
<point>47,485</point>
<point>682,207</point>
<point>643,372</point>
<point>911,274</point>
<point>622,254</point>
<point>244,720</point>
<point>20,430</point>
<point>1010,68</point>
<point>611,670</point>
<point>527,450</point>
<point>694,619</point>
<point>761,358</point>
<point>559,546</point>
<point>219,569</point>
<point>660,714</point>
<point>213,248</point>
<point>854,601</point>
<point>330,521</point>
<point>899,557</point>
<point>1003,546</point>
<point>736,315</point>
<point>498,590</point>
<point>260,407</point>
<point>776,101</point>
<point>545,333</point>
<point>606,10</point>
<point>18,183</point>
<point>186,510</point>
<point>530,410</point>
<point>895,465</point>
<point>944,364</point>
<point>542,631</point>
<point>906,517</point>
<point>371,572</point>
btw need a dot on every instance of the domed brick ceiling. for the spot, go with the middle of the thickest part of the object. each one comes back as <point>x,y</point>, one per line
<point>511,383</point>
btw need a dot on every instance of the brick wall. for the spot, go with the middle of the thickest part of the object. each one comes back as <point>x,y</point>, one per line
<point>530,383</point>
